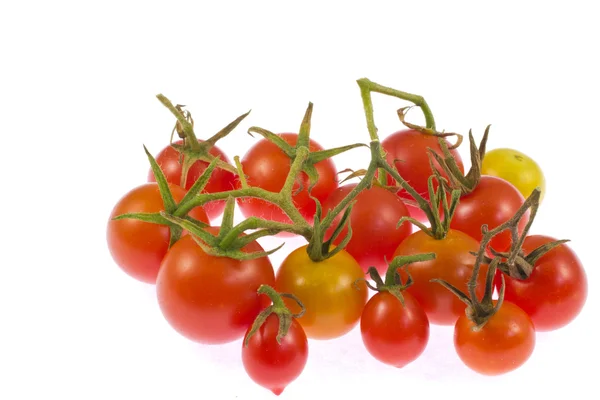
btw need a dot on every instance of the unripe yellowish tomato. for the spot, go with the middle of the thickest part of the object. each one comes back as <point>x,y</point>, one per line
<point>515,167</point>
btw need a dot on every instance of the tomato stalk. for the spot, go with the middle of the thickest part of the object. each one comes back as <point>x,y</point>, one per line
<point>393,281</point>
<point>278,308</point>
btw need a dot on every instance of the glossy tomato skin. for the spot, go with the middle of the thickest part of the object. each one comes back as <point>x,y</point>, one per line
<point>139,247</point>
<point>220,179</point>
<point>453,263</point>
<point>374,217</point>
<point>493,202</point>
<point>555,292</point>
<point>267,166</point>
<point>333,305</point>
<point>275,365</point>
<point>407,151</point>
<point>515,167</point>
<point>209,299</point>
<point>504,343</point>
<point>392,333</point>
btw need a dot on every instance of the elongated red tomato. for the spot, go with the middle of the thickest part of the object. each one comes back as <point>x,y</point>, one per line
<point>493,202</point>
<point>220,180</point>
<point>267,166</point>
<point>393,333</point>
<point>275,365</point>
<point>374,217</point>
<point>139,247</point>
<point>453,263</point>
<point>555,292</point>
<point>407,150</point>
<point>211,299</point>
<point>504,343</point>
<point>326,288</point>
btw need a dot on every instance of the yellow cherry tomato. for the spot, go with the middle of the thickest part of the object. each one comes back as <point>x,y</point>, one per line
<point>326,288</point>
<point>515,167</point>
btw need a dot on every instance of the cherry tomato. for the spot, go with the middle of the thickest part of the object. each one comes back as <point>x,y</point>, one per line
<point>267,166</point>
<point>556,290</point>
<point>407,150</point>
<point>220,180</point>
<point>515,167</point>
<point>374,217</point>
<point>275,365</point>
<point>139,247</point>
<point>333,305</point>
<point>211,299</point>
<point>393,333</point>
<point>493,202</point>
<point>453,263</point>
<point>504,343</point>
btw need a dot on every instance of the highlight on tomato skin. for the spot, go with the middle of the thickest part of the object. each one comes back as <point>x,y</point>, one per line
<point>555,292</point>
<point>275,365</point>
<point>138,247</point>
<point>169,160</point>
<point>210,299</point>
<point>502,345</point>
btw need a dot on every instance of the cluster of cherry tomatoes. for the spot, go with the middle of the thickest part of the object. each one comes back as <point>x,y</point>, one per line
<point>434,241</point>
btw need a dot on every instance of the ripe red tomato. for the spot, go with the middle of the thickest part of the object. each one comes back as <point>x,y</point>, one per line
<point>407,150</point>
<point>556,290</point>
<point>211,299</point>
<point>504,343</point>
<point>453,263</point>
<point>393,333</point>
<point>220,180</point>
<point>275,365</point>
<point>333,305</point>
<point>139,247</point>
<point>374,217</point>
<point>493,202</point>
<point>267,166</point>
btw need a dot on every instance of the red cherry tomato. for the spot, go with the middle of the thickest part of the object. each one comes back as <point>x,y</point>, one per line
<point>267,166</point>
<point>453,263</point>
<point>220,180</point>
<point>275,365</point>
<point>407,150</point>
<point>374,217</point>
<point>139,247</point>
<point>393,333</point>
<point>493,202</point>
<point>211,299</point>
<point>556,290</point>
<point>504,343</point>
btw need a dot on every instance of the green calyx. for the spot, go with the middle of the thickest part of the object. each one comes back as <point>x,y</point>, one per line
<point>393,281</point>
<point>465,183</point>
<point>428,131</point>
<point>278,308</point>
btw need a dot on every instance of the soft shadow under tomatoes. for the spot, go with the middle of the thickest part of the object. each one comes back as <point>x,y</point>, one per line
<point>211,299</point>
<point>139,247</point>
<point>374,220</point>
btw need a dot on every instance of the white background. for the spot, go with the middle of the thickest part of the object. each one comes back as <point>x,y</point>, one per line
<point>77,101</point>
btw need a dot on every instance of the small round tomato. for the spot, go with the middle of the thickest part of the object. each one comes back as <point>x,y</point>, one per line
<point>220,180</point>
<point>393,333</point>
<point>211,299</point>
<point>503,344</point>
<point>493,202</point>
<point>374,217</point>
<point>515,167</point>
<point>267,166</point>
<point>453,263</point>
<point>275,365</point>
<point>556,290</point>
<point>407,150</point>
<point>138,247</point>
<point>326,288</point>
